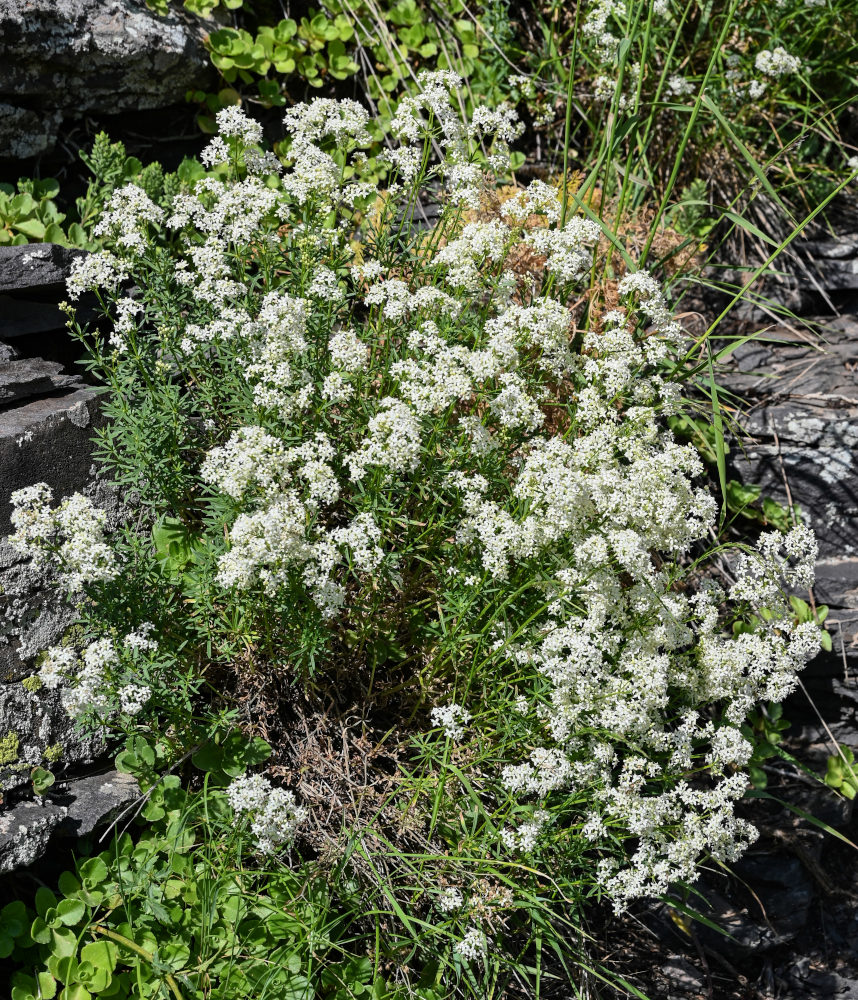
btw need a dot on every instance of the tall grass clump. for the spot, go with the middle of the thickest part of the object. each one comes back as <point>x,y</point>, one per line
<point>420,487</point>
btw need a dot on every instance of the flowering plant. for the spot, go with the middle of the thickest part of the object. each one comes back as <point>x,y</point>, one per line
<point>429,476</point>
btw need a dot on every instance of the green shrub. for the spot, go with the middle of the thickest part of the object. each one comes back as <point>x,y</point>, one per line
<point>429,483</point>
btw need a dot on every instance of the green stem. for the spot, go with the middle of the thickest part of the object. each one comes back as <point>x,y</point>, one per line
<point>133,946</point>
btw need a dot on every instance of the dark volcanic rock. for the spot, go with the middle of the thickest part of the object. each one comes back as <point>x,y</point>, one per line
<point>30,377</point>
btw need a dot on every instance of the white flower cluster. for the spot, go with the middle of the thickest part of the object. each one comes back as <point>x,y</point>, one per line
<point>451,378</point>
<point>69,538</point>
<point>526,835</point>
<point>450,899</point>
<point>128,213</point>
<point>598,25</point>
<point>452,719</point>
<point>777,62</point>
<point>101,269</point>
<point>275,816</point>
<point>89,682</point>
<point>473,946</point>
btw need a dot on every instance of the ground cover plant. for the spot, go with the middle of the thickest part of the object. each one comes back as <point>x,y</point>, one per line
<point>414,610</point>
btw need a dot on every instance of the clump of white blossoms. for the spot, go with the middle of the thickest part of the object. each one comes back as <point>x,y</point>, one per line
<point>103,674</point>
<point>274,814</point>
<point>68,539</point>
<point>452,719</point>
<point>777,62</point>
<point>440,427</point>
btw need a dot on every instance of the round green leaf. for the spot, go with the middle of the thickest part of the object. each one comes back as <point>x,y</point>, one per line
<point>70,911</point>
<point>93,872</point>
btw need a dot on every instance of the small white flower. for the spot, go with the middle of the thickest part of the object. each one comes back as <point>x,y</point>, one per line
<point>452,719</point>
<point>473,946</point>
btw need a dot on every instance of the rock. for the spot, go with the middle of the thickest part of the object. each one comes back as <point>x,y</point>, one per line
<point>683,976</point>
<point>741,935</point>
<point>94,800</point>
<point>7,351</point>
<point>802,417</point>
<point>42,266</point>
<point>25,831</point>
<point>47,440</point>
<point>75,57</point>
<point>782,885</point>
<point>23,317</point>
<point>821,802</point>
<point>76,809</point>
<point>804,982</point>
<point>29,377</point>
<point>40,721</point>
<point>44,440</point>
<point>27,133</point>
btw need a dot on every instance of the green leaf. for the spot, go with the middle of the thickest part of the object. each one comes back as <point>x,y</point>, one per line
<point>76,991</point>
<point>285,29</point>
<point>70,911</point>
<point>45,900</point>
<point>22,204</point>
<point>39,931</point>
<point>55,234</point>
<point>42,780</point>
<point>76,235</point>
<point>93,872</point>
<point>47,985</point>
<point>31,227</point>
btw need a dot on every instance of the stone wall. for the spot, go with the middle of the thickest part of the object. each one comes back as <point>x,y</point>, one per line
<point>47,417</point>
<point>65,58</point>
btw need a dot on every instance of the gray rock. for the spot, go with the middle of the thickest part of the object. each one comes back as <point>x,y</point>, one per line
<point>740,935</point>
<point>804,982</point>
<point>47,440</point>
<point>80,56</point>
<point>7,351</point>
<point>40,721</point>
<point>42,266</point>
<point>94,800</point>
<point>28,377</point>
<point>801,395</point>
<point>25,831</point>
<point>782,885</point>
<point>683,976</point>
<point>77,808</point>
<point>25,133</point>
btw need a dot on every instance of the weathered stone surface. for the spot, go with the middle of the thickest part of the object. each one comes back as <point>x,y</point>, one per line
<point>46,440</point>
<point>27,133</point>
<point>684,978</point>
<point>25,831</point>
<point>76,808</point>
<point>802,418</point>
<point>805,982</point>
<point>40,721</point>
<point>7,353</point>
<point>78,56</point>
<point>42,266</point>
<point>28,377</point>
<point>94,800</point>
